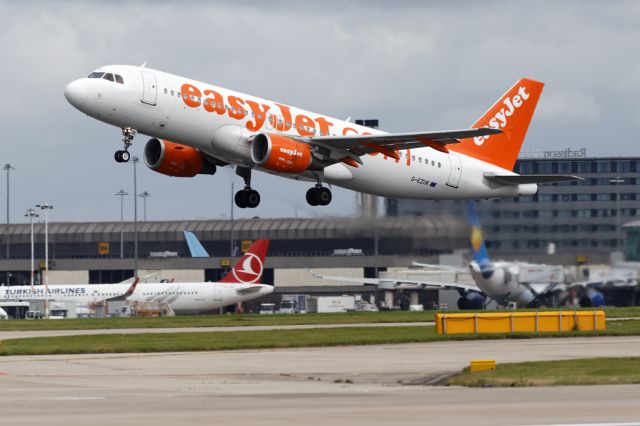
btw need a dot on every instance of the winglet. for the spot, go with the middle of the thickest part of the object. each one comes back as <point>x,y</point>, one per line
<point>249,269</point>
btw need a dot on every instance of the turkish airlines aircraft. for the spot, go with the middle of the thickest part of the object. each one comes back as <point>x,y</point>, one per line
<point>239,285</point>
<point>195,126</point>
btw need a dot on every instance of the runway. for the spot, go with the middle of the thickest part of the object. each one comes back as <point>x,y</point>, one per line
<point>372,385</point>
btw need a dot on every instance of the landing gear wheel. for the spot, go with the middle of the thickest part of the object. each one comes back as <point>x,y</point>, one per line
<point>311,199</point>
<point>123,156</point>
<point>319,196</point>
<point>241,199</point>
<point>323,195</point>
<point>253,199</point>
<point>247,198</point>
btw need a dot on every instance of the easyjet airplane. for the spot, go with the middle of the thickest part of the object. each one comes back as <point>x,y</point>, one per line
<point>239,285</point>
<point>195,127</point>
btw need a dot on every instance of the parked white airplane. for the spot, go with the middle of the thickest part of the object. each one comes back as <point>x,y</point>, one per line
<point>196,126</point>
<point>239,285</point>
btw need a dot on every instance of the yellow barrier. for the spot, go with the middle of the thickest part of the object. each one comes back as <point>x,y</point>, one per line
<point>520,322</point>
<point>482,365</point>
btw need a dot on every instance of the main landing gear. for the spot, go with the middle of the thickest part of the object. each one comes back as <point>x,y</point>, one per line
<point>319,196</point>
<point>247,197</point>
<point>123,156</point>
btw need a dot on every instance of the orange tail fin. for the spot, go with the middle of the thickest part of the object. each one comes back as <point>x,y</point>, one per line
<point>249,268</point>
<point>512,113</point>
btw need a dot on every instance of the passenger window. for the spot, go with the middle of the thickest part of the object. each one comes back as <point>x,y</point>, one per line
<point>165,91</point>
<point>121,81</point>
<point>439,164</point>
<point>108,76</point>
<point>96,75</point>
<point>413,158</point>
<point>433,163</point>
<point>172,93</point>
<point>419,159</point>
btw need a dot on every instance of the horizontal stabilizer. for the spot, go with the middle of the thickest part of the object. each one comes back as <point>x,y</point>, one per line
<point>524,179</point>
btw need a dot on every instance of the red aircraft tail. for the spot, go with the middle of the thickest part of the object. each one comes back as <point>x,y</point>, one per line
<point>248,270</point>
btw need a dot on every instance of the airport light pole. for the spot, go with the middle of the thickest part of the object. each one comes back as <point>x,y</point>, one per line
<point>144,195</point>
<point>121,193</point>
<point>46,207</point>
<point>8,168</point>
<point>31,213</point>
<point>231,204</point>
<point>135,161</point>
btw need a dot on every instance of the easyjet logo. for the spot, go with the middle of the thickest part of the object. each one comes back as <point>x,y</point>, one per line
<point>501,117</point>
<point>291,152</point>
<point>279,117</point>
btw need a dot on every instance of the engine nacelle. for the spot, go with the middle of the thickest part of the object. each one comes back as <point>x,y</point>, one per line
<point>282,154</point>
<point>174,159</point>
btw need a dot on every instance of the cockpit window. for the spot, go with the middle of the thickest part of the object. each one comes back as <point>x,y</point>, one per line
<point>119,79</point>
<point>108,76</point>
<point>96,74</point>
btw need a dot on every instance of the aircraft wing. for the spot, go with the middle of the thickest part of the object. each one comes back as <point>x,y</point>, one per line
<point>437,268</point>
<point>126,294</point>
<point>387,283</point>
<point>354,146</point>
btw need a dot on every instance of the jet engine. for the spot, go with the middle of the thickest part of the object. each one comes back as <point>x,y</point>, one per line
<point>282,154</point>
<point>174,159</point>
<point>471,300</point>
<point>592,299</point>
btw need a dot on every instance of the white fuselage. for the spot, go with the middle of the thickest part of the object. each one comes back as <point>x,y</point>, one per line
<point>500,282</point>
<point>183,298</point>
<point>219,122</point>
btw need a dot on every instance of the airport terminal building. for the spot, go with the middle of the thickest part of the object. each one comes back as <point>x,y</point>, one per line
<point>583,220</point>
<point>91,252</point>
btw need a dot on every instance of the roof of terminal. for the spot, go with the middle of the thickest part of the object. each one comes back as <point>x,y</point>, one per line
<point>281,228</point>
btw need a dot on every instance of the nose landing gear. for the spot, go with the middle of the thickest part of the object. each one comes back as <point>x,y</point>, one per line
<point>123,156</point>
<point>319,196</point>
<point>247,197</point>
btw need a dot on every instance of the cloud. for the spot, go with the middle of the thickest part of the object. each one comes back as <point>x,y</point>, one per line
<point>563,107</point>
<point>414,65</point>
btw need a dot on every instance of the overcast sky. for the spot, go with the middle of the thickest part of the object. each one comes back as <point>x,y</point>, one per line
<point>415,65</point>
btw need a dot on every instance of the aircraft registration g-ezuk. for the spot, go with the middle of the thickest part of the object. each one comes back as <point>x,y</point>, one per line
<point>195,127</point>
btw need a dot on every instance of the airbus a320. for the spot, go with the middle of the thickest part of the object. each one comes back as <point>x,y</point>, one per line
<point>196,127</point>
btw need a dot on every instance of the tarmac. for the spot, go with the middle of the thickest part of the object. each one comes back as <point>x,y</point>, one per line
<point>368,385</point>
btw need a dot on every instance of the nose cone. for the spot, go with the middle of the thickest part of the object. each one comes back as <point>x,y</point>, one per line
<point>75,92</point>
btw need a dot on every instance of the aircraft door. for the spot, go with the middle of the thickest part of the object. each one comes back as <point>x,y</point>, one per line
<point>455,170</point>
<point>149,88</point>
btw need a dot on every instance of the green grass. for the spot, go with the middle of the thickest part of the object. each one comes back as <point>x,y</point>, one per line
<point>217,321</point>
<point>594,371</point>
<point>212,341</point>
<point>245,320</point>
